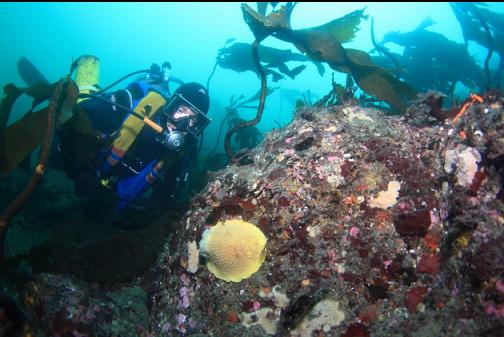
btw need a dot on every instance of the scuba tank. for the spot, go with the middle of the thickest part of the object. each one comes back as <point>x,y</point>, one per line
<point>87,74</point>
<point>87,77</point>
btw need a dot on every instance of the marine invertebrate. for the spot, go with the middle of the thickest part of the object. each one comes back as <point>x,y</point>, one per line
<point>388,198</point>
<point>193,257</point>
<point>466,163</point>
<point>324,316</point>
<point>235,249</point>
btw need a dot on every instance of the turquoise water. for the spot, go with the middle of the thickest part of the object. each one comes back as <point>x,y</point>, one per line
<point>131,36</point>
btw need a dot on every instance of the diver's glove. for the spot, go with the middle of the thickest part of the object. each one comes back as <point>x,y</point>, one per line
<point>129,188</point>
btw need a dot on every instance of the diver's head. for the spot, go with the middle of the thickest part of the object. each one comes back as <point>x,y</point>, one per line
<point>196,95</point>
<point>186,111</point>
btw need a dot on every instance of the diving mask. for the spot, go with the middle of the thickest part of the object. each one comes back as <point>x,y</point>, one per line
<point>185,116</point>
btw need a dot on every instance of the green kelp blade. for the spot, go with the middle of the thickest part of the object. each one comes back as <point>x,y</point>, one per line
<point>344,29</point>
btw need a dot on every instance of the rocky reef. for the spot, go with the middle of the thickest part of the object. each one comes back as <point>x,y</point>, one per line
<point>375,226</point>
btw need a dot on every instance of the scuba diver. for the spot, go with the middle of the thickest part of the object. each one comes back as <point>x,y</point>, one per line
<point>246,138</point>
<point>142,134</point>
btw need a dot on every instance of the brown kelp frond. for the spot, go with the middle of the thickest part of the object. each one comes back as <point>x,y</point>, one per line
<point>321,44</point>
<point>260,109</point>
<point>68,102</point>
<point>344,29</point>
<point>22,137</point>
<point>374,80</point>
<point>317,45</point>
<point>356,56</point>
<point>263,26</point>
<point>57,101</point>
<point>380,83</point>
<point>359,56</point>
<point>11,95</point>
<point>257,95</point>
<point>39,92</point>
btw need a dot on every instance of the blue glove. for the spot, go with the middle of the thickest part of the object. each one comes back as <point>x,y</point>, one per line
<point>129,188</point>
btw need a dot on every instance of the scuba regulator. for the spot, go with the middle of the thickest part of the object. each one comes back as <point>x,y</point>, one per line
<point>173,140</point>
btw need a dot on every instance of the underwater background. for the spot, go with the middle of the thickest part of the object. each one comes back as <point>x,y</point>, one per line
<point>131,36</point>
<point>368,221</point>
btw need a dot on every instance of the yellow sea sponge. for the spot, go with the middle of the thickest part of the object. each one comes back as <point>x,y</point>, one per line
<point>235,249</point>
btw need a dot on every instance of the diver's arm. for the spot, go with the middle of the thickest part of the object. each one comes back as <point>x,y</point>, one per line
<point>181,171</point>
<point>182,176</point>
<point>129,188</point>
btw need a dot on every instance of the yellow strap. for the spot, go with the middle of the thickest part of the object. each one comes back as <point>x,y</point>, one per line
<point>133,125</point>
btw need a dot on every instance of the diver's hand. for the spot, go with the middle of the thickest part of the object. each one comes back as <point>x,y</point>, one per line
<point>109,182</point>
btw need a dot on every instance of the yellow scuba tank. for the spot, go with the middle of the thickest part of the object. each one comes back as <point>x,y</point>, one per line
<point>87,74</point>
